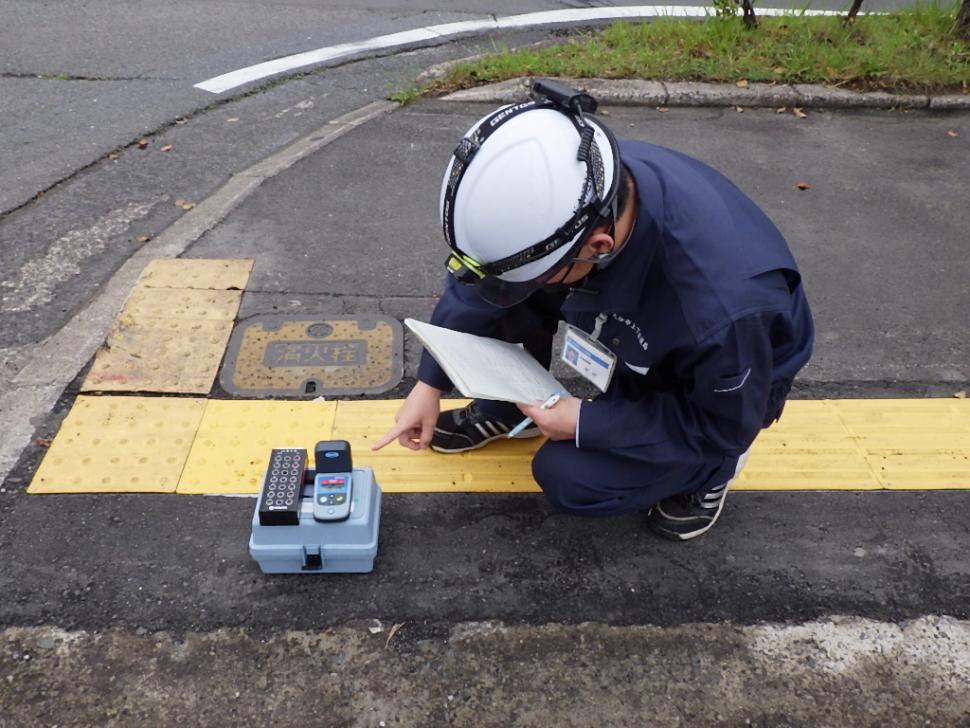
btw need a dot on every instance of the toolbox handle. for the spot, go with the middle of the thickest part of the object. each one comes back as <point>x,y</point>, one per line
<point>312,557</point>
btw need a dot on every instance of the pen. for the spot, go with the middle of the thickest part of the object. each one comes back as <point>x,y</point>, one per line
<point>528,420</point>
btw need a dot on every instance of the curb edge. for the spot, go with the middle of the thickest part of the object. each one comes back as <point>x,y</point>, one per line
<point>637,92</point>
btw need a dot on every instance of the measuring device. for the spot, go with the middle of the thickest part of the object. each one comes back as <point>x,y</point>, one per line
<point>332,481</point>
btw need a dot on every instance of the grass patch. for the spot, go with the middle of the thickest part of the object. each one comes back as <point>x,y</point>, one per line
<point>907,51</point>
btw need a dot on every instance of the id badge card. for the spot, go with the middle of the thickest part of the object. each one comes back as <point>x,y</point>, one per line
<point>588,357</point>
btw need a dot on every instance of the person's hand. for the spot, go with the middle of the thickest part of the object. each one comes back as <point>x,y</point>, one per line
<point>559,421</point>
<point>415,420</point>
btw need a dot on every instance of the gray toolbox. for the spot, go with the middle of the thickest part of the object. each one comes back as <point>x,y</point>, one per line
<point>288,535</point>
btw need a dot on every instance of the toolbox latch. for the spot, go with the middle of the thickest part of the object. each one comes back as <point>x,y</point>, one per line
<point>312,557</point>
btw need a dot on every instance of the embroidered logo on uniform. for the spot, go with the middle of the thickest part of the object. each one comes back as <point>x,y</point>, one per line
<point>632,325</point>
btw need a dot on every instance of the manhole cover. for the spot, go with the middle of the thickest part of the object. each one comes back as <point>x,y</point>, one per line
<point>271,356</point>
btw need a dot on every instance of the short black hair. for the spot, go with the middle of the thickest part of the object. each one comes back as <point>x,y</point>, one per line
<point>623,193</point>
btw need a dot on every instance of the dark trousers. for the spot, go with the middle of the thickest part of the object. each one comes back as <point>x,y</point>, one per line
<point>589,482</point>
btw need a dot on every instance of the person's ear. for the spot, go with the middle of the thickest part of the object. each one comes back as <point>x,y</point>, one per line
<point>600,243</point>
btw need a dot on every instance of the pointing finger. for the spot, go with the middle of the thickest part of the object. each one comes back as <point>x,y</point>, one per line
<point>391,435</point>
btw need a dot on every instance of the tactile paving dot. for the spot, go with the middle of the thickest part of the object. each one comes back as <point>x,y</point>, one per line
<point>120,444</point>
<point>223,275</point>
<point>297,356</point>
<point>236,437</point>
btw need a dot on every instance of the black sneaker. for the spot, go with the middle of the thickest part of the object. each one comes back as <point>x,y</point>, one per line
<point>459,430</point>
<point>683,517</point>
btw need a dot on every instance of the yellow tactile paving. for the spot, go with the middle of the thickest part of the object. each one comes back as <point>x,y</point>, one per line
<point>168,340</point>
<point>505,466</point>
<point>120,444</point>
<point>222,275</point>
<point>236,436</point>
<point>131,444</point>
<point>864,444</point>
<point>160,355</point>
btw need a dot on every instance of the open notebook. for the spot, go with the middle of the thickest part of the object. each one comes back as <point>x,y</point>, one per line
<point>484,368</point>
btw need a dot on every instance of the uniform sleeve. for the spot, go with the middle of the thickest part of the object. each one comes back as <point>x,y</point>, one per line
<point>718,408</point>
<point>460,308</point>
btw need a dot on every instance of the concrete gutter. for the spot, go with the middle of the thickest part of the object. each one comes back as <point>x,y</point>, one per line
<point>838,671</point>
<point>636,92</point>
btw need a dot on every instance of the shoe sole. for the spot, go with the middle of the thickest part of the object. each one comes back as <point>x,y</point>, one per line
<point>524,435</point>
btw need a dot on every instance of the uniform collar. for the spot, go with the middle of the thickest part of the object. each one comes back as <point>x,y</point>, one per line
<point>619,287</point>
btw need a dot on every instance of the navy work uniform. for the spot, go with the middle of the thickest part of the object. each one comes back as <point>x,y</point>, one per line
<point>705,311</point>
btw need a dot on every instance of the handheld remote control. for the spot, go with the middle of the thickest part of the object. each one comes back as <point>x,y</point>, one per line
<point>332,482</point>
<point>279,498</point>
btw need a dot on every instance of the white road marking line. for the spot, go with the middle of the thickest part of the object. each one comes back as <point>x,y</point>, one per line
<point>38,279</point>
<point>227,81</point>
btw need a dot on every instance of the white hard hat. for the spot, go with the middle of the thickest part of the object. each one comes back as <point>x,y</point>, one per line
<point>524,187</point>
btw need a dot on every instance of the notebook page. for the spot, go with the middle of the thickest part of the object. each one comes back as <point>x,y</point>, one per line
<point>486,368</point>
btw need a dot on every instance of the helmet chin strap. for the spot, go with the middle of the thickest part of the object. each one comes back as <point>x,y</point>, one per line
<point>599,261</point>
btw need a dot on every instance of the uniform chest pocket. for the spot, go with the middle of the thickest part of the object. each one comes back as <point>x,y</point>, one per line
<point>629,351</point>
<point>732,383</point>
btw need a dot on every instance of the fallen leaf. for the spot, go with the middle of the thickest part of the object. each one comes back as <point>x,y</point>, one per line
<point>43,441</point>
<point>232,120</point>
<point>393,631</point>
<point>181,120</point>
<point>113,155</point>
<point>961,394</point>
<point>167,148</point>
<point>799,113</point>
<point>184,204</point>
<point>142,238</point>
<point>782,110</point>
<point>739,109</point>
<point>741,84</point>
<point>663,109</point>
<point>142,143</point>
<point>803,186</point>
<point>953,133</point>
